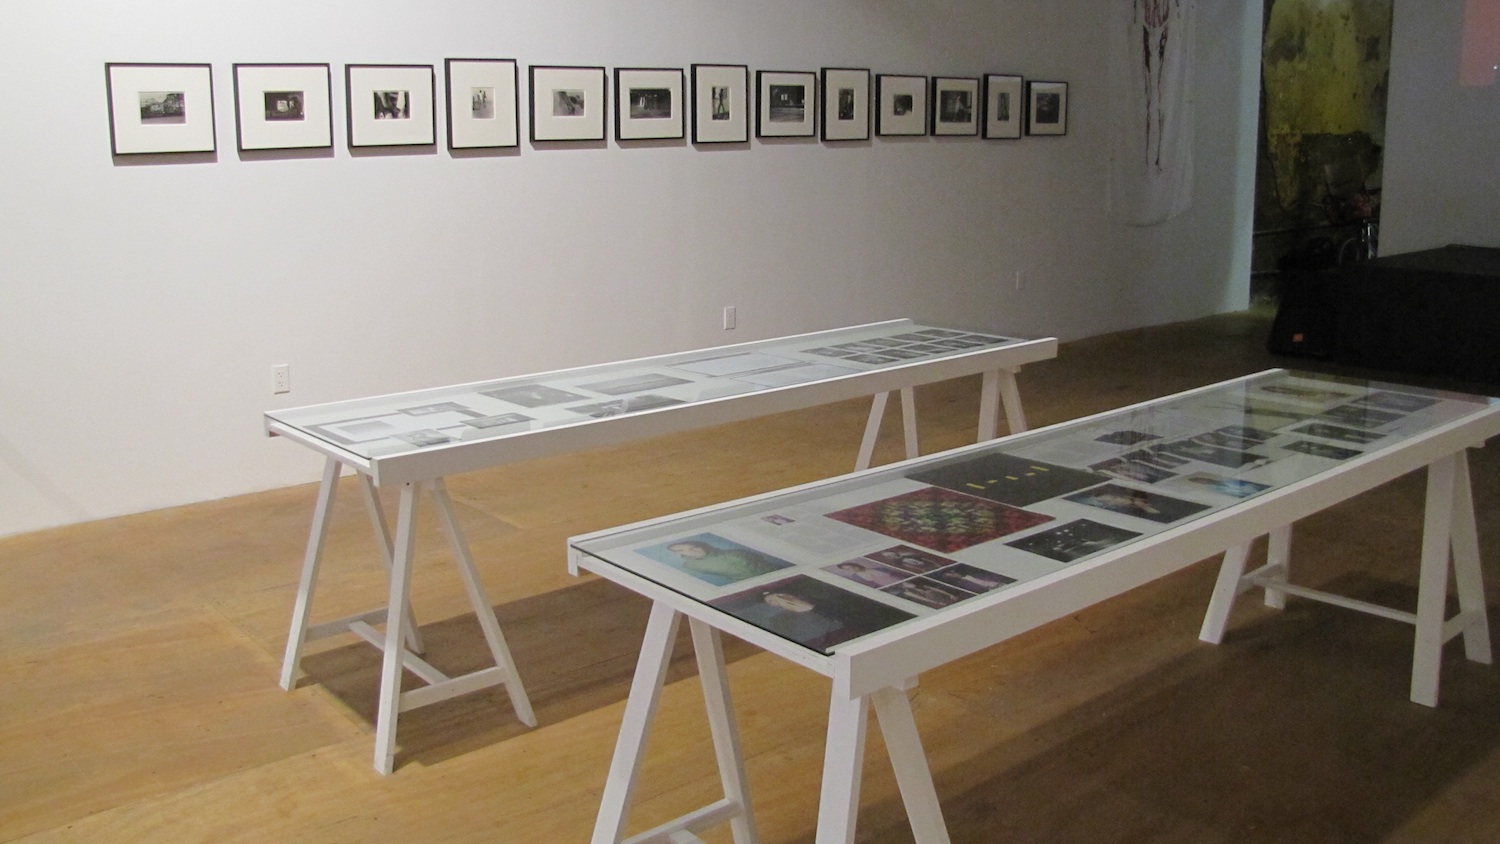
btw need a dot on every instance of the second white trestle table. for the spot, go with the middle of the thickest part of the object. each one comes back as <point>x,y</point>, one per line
<point>413,440</point>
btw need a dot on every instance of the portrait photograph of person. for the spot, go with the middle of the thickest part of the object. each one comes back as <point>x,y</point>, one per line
<point>713,559</point>
<point>810,612</point>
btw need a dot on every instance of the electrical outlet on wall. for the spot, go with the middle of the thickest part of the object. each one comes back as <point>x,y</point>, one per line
<point>729,318</point>
<point>281,378</point>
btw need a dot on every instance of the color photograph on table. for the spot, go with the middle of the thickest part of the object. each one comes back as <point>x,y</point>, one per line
<point>810,612</point>
<point>1127,469</point>
<point>1137,503</point>
<point>939,519</point>
<point>713,559</point>
<point>1126,437</point>
<point>928,593</point>
<point>1017,481</point>
<point>972,579</point>
<point>867,572</point>
<point>1074,540</point>
<point>1233,487</point>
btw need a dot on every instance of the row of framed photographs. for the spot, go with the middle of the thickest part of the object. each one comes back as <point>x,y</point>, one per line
<point>168,108</point>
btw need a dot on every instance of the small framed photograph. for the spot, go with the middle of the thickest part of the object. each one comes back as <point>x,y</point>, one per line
<point>1002,106</point>
<point>482,108</point>
<point>955,105</point>
<point>283,106</point>
<point>846,104</point>
<point>786,104</point>
<point>1046,108</point>
<point>648,103</point>
<point>159,107</point>
<point>721,104</point>
<point>900,104</point>
<point>567,103</point>
<point>391,105</point>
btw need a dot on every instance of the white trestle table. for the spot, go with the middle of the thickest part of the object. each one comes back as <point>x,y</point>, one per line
<point>414,440</point>
<point>875,577</point>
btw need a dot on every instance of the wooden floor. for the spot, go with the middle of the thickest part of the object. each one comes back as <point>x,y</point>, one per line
<point>139,660</point>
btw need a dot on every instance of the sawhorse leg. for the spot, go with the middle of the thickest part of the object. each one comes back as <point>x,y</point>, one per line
<point>635,730</point>
<point>1448,526</point>
<point>872,427</point>
<point>997,387</point>
<point>1232,582</point>
<point>439,686</point>
<point>300,633</point>
<point>843,761</point>
<point>1449,538</point>
<point>400,625</point>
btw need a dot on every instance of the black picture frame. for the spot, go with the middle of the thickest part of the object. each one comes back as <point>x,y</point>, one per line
<point>484,108</point>
<point>721,103</point>
<point>649,103</point>
<point>568,102</point>
<point>955,106</point>
<point>900,105</point>
<point>786,104</point>
<point>1046,108</point>
<point>846,104</point>
<point>283,106</point>
<point>160,108</point>
<point>1004,106</point>
<point>390,105</point>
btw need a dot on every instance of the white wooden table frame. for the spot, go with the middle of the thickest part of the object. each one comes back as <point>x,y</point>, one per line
<point>419,470</point>
<point>876,669</point>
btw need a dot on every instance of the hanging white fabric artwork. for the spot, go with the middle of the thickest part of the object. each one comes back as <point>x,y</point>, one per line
<point>1151,158</point>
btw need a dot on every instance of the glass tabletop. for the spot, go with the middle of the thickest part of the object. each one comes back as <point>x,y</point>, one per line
<point>409,422</point>
<point>829,564</point>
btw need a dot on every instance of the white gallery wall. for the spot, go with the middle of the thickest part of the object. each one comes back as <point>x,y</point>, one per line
<point>143,303</point>
<point>1441,180</point>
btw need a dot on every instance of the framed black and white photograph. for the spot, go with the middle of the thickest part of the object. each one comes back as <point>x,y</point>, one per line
<point>283,106</point>
<point>1046,108</point>
<point>721,104</point>
<point>955,105</point>
<point>846,104</point>
<point>900,104</point>
<point>568,103</point>
<point>482,108</point>
<point>786,104</point>
<point>391,105</point>
<point>648,103</point>
<point>1003,107</point>
<point>155,108</point>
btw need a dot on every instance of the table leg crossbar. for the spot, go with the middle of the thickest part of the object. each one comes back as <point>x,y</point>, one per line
<point>1450,542</point>
<point>401,641</point>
